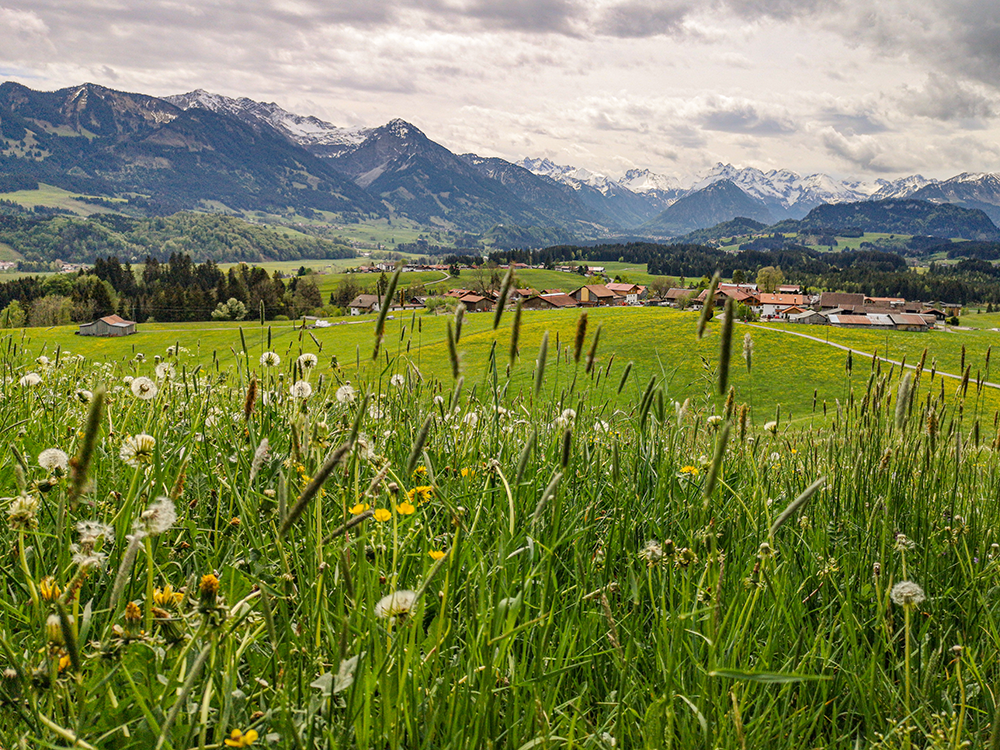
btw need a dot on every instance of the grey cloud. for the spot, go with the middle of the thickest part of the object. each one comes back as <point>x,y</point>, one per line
<point>863,152</point>
<point>743,118</point>
<point>847,123</point>
<point>944,99</point>
<point>636,18</point>
<point>526,15</point>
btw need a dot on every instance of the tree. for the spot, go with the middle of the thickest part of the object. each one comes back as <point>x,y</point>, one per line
<point>51,310</point>
<point>739,277</point>
<point>769,279</point>
<point>12,316</point>
<point>231,310</point>
<point>659,286</point>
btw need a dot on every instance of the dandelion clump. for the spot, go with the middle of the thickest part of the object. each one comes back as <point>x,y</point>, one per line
<point>907,594</point>
<point>397,605</point>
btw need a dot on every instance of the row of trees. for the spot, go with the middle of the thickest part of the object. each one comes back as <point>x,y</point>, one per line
<point>178,290</point>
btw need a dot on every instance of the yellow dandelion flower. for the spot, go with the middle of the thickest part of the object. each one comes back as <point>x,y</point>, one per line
<point>436,554</point>
<point>241,739</point>
<point>359,508</point>
<point>468,472</point>
<point>691,470</point>
<point>406,508</point>
<point>167,597</point>
<point>49,589</point>
<point>64,661</point>
<point>382,515</point>
<point>420,470</point>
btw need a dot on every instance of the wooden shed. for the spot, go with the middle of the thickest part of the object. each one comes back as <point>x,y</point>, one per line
<point>109,325</point>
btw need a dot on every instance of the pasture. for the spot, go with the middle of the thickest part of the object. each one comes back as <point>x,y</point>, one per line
<point>238,542</point>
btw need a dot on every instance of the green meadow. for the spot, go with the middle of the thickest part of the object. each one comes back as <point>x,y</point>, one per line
<point>787,372</point>
<point>259,536</point>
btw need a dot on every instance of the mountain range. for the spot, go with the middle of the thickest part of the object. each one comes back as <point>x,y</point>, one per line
<point>210,152</point>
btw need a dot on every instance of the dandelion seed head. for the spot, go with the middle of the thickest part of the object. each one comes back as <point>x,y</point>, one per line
<point>30,379</point>
<point>158,517</point>
<point>85,396</point>
<point>300,389</point>
<point>714,421</point>
<point>164,371</point>
<point>137,450</point>
<point>397,380</point>
<point>91,532</point>
<point>652,553</point>
<point>345,394</point>
<point>270,359</point>
<point>771,427</point>
<point>907,594</point>
<point>51,459</point>
<point>89,560</point>
<point>307,360</point>
<point>397,604</point>
<point>144,388</point>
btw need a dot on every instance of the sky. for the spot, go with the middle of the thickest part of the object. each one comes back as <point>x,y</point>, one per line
<point>853,88</point>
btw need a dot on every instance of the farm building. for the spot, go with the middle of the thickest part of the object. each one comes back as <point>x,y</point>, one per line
<point>109,325</point>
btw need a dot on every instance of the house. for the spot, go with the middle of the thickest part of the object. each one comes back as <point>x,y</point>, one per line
<point>769,305</point>
<point>594,294</point>
<point>788,312</point>
<point>909,322</point>
<point>809,317</point>
<point>476,303</point>
<point>830,300</point>
<point>549,301</point>
<point>109,325</point>
<point>789,289</point>
<point>679,295</point>
<point>363,304</point>
<point>631,293</point>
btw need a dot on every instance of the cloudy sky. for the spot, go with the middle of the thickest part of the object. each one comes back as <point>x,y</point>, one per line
<point>848,87</point>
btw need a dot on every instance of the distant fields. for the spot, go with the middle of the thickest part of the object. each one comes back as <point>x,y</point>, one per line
<point>786,370</point>
<point>48,195</point>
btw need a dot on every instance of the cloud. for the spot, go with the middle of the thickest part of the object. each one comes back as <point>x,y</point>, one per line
<point>638,18</point>
<point>730,115</point>
<point>943,98</point>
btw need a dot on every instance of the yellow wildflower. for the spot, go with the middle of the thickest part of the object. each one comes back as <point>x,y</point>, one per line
<point>49,589</point>
<point>468,472</point>
<point>420,494</point>
<point>405,508</point>
<point>167,597</point>
<point>691,470</point>
<point>381,514</point>
<point>359,508</point>
<point>240,739</point>
<point>436,554</point>
<point>420,470</point>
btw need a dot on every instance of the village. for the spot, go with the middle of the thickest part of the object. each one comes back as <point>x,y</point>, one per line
<point>787,303</point>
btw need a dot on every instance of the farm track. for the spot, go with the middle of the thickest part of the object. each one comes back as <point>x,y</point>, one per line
<point>858,351</point>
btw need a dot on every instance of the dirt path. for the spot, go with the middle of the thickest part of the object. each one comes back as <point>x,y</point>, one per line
<point>858,351</point>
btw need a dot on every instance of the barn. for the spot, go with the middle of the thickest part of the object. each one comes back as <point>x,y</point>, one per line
<point>109,325</point>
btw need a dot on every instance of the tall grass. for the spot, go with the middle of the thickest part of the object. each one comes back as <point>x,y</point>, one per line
<point>406,562</point>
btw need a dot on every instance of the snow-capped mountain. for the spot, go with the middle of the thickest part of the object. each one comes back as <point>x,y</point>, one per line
<point>645,181</point>
<point>901,188</point>
<point>311,132</point>
<point>572,176</point>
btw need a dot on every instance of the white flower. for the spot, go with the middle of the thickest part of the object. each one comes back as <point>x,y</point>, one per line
<point>127,380</point>
<point>157,518</point>
<point>907,594</point>
<point>32,378</point>
<point>43,361</point>
<point>137,450</point>
<point>51,459</point>
<point>375,412</point>
<point>438,400</point>
<point>771,427</point>
<point>601,426</point>
<point>144,388</point>
<point>84,395</point>
<point>345,393</point>
<point>397,380</point>
<point>164,370</point>
<point>300,389</point>
<point>397,604</point>
<point>714,421</point>
<point>270,359</point>
<point>471,419</point>
<point>307,361</point>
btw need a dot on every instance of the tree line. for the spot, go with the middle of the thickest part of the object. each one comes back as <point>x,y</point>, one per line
<point>176,290</point>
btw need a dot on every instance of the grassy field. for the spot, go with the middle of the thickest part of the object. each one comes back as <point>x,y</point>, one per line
<point>787,371</point>
<point>255,553</point>
<point>49,195</point>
